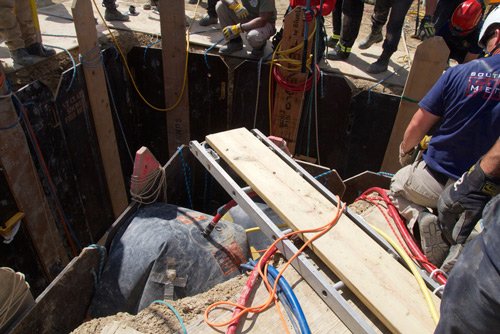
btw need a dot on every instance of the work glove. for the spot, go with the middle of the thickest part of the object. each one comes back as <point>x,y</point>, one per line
<point>407,158</point>
<point>461,204</point>
<point>424,143</point>
<point>240,11</point>
<point>310,14</point>
<point>231,31</point>
<point>426,28</point>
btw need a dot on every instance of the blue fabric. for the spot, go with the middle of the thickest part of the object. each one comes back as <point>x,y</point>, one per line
<point>466,98</point>
<point>460,45</point>
<point>471,298</point>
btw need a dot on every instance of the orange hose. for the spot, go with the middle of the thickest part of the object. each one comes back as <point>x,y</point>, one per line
<point>260,308</point>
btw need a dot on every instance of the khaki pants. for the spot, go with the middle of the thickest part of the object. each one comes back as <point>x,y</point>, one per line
<point>15,297</point>
<point>16,24</point>
<point>413,189</point>
<point>257,38</point>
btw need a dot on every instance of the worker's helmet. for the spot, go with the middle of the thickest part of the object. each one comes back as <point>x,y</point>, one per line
<point>466,17</point>
<point>491,23</point>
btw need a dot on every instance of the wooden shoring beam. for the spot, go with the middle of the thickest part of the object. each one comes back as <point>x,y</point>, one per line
<point>28,191</point>
<point>99,102</point>
<point>173,34</point>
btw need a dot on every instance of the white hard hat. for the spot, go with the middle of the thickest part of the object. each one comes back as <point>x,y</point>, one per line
<point>492,18</point>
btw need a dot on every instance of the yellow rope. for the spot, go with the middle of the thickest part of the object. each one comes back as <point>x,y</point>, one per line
<point>413,268</point>
<point>130,73</point>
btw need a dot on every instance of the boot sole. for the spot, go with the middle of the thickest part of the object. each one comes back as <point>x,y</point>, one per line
<point>433,246</point>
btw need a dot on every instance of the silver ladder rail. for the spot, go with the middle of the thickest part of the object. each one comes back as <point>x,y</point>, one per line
<point>350,317</point>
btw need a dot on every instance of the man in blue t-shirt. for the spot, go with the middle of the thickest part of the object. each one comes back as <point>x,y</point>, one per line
<point>465,101</point>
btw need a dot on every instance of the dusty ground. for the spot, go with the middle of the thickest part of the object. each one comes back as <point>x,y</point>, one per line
<point>51,69</point>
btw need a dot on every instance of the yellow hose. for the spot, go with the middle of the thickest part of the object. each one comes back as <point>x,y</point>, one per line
<point>418,277</point>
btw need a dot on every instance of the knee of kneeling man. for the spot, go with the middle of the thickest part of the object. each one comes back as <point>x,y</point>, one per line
<point>256,39</point>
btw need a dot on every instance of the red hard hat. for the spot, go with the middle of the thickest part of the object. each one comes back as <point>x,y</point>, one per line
<point>466,17</point>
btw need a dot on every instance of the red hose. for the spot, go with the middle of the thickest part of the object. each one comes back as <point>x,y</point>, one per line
<point>231,329</point>
<point>410,242</point>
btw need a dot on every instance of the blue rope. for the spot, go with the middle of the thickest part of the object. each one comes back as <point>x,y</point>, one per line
<point>323,174</point>
<point>203,31</point>
<point>112,46</point>
<point>187,177</point>
<point>97,276</point>
<point>175,312</point>
<point>210,48</point>
<point>97,61</point>
<point>45,172</point>
<point>386,174</point>
<point>387,77</point>
<point>147,48</point>
<point>72,60</point>
<point>56,35</point>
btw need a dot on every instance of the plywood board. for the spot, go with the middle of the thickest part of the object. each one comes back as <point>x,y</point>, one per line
<point>429,63</point>
<point>383,285</point>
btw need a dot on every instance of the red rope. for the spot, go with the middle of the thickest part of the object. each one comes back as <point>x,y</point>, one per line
<point>410,242</point>
<point>294,87</point>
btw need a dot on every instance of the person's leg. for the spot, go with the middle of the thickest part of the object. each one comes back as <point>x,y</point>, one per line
<point>227,17</point>
<point>211,17</point>
<point>257,39</point>
<point>10,31</point>
<point>379,18</point>
<point>111,13</point>
<point>393,35</point>
<point>337,24</point>
<point>351,21</point>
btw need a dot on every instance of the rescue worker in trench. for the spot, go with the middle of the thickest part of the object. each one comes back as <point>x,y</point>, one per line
<point>461,31</point>
<point>351,21</point>
<point>465,101</point>
<point>254,17</point>
<point>471,297</point>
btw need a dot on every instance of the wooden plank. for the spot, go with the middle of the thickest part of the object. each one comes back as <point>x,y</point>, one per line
<point>428,65</point>
<point>62,307</point>
<point>99,102</point>
<point>378,280</point>
<point>21,174</point>
<point>288,105</point>
<point>173,30</point>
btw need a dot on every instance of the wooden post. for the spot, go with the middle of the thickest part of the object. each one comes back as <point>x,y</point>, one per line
<point>173,34</point>
<point>288,105</point>
<point>99,102</point>
<point>26,187</point>
<point>428,65</point>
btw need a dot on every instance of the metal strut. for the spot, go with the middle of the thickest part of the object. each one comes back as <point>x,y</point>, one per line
<point>326,291</point>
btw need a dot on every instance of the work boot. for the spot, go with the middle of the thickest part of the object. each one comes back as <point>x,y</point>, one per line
<point>22,57</point>
<point>374,37</point>
<point>431,240</point>
<point>208,20</point>
<point>38,49</point>
<point>333,40</point>
<point>381,64</point>
<point>339,53</point>
<point>235,44</point>
<point>112,14</point>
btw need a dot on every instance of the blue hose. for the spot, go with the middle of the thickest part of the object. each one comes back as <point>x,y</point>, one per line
<point>290,296</point>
